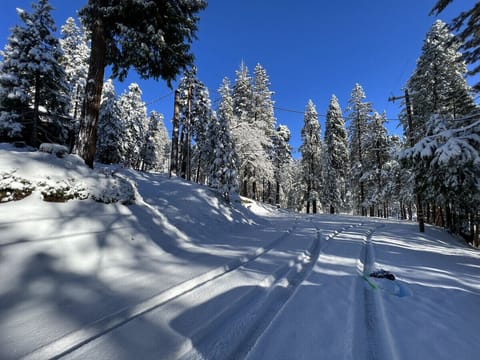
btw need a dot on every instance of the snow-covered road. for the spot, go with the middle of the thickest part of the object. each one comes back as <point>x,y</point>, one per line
<point>299,295</point>
<point>180,274</point>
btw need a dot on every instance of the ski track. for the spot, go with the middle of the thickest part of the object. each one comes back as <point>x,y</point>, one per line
<point>379,340</point>
<point>367,334</point>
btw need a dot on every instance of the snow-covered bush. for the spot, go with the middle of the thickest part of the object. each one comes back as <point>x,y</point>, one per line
<point>14,188</point>
<point>115,189</point>
<point>56,149</point>
<point>62,190</point>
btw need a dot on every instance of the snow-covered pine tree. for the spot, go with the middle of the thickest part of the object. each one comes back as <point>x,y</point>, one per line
<point>252,141</point>
<point>466,25</point>
<point>451,157</point>
<point>442,102</point>
<point>134,114</point>
<point>376,156</point>
<point>243,96</point>
<point>335,160</point>
<point>311,150</point>
<point>195,113</point>
<point>263,111</point>
<point>153,37</point>
<point>223,171</point>
<point>76,52</point>
<point>30,74</point>
<point>264,123</point>
<point>438,85</point>
<point>110,127</point>
<point>156,147</point>
<point>295,191</point>
<point>282,160</point>
<point>400,188</point>
<point>358,113</point>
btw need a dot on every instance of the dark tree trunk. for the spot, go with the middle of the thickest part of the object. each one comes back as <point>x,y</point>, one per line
<point>36,107</point>
<point>332,209</point>
<point>277,194</point>
<point>199,163</point>
<point>448,216</point>
<point>244,188</point>
<point>183,153</point>
<point>87,137</point>
<point>263,190</point>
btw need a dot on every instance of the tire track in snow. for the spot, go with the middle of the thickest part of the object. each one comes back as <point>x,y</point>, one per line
<point>264,323</point>
<point>104,325</point>
<point>379,340</point>
<point>279,295</point>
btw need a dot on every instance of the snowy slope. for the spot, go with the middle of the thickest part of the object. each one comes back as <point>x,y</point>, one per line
<point>178,273</point>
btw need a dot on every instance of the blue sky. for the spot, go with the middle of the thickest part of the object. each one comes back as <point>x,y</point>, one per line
<point>311,49</point>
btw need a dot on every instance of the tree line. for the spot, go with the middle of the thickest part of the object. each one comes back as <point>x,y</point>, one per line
<point>53,90</point>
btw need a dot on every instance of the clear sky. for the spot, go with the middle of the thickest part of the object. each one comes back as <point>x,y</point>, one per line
<point>311,49</point>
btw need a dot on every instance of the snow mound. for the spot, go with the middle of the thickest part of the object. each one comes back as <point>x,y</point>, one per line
<point>259,208</point>
<point>57,176</point>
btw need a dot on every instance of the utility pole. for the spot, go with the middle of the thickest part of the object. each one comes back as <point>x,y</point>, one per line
<point>418,194</point>
<point>176,124</point>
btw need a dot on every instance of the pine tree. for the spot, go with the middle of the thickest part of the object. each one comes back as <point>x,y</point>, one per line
<point>243,96</point>
<point>358,114</point>
<point>75,61</point>
<point>438,85</point>
<point>156,146</point>
<point>110,127</point>
<point>283,162</point>
<point>466,25</point>
<point>264,117</point>
<point>376,155</point>
<point>264,125</point>
<point>441,128</point>
<point>31,74</point>
<point>223,172</point>
<point>134,114</point>
<point>335,159</point>
<point>195,114</point>
<point>311,156</point>
<point>152,37</point>
<point>252,133</point>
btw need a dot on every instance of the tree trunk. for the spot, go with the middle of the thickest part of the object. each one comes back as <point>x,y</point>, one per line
<point>476,236</point>
<point>448,216</point>
<point>36,106</point>
<point>277,194</point>
<point>332,209</point>
<point>87,137</point>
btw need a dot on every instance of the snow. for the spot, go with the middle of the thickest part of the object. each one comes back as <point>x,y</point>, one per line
<point>177,272</point>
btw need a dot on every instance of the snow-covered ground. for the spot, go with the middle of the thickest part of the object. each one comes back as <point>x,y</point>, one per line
<point>171,271</point>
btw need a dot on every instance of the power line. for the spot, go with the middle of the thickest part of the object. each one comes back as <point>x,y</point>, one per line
<point>320,115</point>
<point>160,98</point>
<point>289,110</point>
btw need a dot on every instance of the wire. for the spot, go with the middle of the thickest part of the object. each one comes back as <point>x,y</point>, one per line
<point>159,98</point>
<point>320,115</point>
